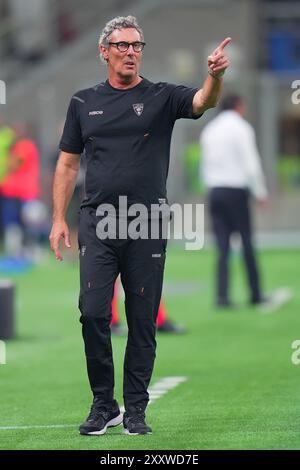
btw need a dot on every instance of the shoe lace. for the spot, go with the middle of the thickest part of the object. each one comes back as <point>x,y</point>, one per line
<point>137,418</point>
<point>97,412</point>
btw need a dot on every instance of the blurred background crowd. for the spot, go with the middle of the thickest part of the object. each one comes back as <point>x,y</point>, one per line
<point>48,50</point>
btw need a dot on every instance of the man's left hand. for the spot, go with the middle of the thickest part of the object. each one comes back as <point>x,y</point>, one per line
<point>218,60</point>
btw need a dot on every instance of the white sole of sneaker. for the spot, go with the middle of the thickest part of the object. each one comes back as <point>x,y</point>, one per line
<point>113,422</point>
<point>125,431</point>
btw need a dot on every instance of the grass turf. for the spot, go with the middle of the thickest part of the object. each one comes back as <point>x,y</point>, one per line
<point>242,390</point>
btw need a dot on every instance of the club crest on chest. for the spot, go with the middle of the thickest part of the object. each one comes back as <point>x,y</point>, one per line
<point>138,108</point>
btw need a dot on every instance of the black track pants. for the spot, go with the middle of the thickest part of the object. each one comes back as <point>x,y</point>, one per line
<point>229,209</point>
<point>141,264</point>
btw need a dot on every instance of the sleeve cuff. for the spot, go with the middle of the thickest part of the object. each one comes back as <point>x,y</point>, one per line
<point>194,116</point>
<point>70,148</point>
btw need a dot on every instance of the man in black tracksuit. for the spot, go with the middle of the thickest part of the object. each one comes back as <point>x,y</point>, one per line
<point>124,125</point>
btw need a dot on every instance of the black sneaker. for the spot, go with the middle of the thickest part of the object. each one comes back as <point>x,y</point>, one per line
<point>134,423</point>
<point>169,327</point>
<point>263,300</point>
<point>101,418</point>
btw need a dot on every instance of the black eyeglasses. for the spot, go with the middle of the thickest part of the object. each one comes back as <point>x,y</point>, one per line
<point>123,46</point>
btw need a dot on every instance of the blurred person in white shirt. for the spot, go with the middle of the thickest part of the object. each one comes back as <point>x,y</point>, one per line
<point>232,171</point>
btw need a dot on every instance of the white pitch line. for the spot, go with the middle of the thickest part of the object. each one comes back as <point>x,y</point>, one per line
<point>277,298</point>
<point>37,426</point>
<point>159,389</point>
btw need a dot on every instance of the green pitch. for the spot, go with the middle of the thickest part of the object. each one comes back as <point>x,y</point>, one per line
<point>241,392</point>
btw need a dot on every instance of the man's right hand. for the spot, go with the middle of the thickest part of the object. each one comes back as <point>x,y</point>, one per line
<point>60,230</point>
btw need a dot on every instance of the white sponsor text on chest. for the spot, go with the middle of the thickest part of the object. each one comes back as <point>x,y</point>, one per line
<point>95,113</point>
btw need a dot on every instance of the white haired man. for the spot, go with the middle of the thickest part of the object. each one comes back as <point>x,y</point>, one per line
<point>124,125</point>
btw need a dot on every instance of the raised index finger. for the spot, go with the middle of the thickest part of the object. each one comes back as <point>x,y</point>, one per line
<point>224,43</point>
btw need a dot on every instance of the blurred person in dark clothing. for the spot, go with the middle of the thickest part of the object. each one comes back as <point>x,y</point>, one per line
<point>232,170</point>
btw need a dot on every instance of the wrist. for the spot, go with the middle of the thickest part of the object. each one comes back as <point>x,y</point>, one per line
<point>217,76</point>
<point>58,219</point>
